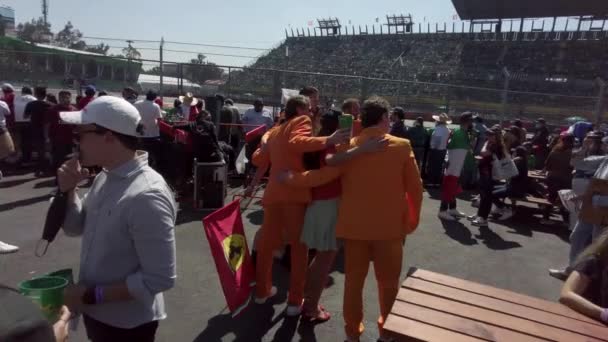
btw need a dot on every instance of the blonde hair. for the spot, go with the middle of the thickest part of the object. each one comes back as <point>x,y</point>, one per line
<point>599,249</point>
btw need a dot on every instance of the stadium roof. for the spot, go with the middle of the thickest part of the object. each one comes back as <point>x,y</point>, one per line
<point>502,9</point>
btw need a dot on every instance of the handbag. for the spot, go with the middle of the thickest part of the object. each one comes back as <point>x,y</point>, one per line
<point>504,169</point>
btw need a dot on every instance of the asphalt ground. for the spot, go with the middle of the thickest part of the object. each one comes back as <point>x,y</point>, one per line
<point>514,255</point>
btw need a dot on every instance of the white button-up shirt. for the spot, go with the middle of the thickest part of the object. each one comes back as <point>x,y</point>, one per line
<point>440,137</point>
<point>127,222</point>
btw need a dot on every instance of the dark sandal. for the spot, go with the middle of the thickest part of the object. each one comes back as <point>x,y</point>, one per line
<point>321,317</point>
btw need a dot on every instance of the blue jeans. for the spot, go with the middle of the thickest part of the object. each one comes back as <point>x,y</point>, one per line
<point>581,237</point>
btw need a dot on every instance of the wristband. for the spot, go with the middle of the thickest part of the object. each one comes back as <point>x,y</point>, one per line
<point>98,294</point>
<point>604,315</point>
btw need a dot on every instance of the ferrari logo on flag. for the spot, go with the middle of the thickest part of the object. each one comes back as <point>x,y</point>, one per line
<point>234,247</point>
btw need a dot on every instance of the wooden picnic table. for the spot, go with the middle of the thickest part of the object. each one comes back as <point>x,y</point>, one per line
<point>435,307</point>
<point>537,175</point>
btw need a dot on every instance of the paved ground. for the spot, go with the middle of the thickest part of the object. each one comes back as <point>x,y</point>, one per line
<point>513,256</point>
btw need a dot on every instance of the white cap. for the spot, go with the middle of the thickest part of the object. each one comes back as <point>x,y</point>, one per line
<point>113,113</point>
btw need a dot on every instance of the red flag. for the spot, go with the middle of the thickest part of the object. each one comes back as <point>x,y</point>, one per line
<point>228,244</point>
<point>254,133</point>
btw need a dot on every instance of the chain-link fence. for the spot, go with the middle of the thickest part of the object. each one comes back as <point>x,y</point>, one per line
<point>500,97</point>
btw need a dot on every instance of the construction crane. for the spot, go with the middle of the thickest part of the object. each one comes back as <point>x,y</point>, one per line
<point>45,11</point>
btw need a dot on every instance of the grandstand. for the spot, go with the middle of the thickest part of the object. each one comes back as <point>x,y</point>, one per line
<point>414,69</point>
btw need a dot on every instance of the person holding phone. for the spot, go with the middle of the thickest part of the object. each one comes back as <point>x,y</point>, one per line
<point>126,221</point>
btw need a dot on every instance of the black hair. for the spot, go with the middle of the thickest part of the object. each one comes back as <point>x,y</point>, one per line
<point>373,110</point>
<point>64,93</point>
<point>399,112</point>
<point>177,103</point>
<point>330,121</point>
<point>102,93</point>
<point>229,102</point>
<point>89,92</point>
<point>200,105</point>
<point>26,91</point>
<point>51,98</point>
<point>40,92</point>
<point>151,95</point>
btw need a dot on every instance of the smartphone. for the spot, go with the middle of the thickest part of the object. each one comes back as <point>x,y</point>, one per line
<point>345,121</point>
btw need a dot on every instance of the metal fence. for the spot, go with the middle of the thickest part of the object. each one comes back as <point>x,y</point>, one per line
<point>507,96</point>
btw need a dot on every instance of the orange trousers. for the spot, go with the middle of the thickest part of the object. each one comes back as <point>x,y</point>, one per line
<point>282,224</point>
<point>387,258</point>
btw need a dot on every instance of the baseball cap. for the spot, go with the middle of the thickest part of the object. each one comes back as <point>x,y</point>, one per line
<point>8,88</point>
<point>110,112</point>
<point>91,89</point>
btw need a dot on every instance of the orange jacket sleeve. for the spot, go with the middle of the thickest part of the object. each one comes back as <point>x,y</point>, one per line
<point>300,136</point>
<point>413,191</point>
<point>314,178</point>
<point>260,158</point>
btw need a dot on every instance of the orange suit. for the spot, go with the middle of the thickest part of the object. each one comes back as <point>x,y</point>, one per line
<point>380,205</point>
<point>285,206</point>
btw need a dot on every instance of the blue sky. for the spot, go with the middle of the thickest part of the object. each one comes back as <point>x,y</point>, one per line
<point>259,24</point>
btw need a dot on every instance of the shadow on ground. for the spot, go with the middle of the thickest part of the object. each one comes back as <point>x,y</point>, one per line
<point>23,203</point>
<point>16,182</point>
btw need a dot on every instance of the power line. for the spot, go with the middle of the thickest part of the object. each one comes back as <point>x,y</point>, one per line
<point>178,43</point>
<point>218,46</point>
<point>184,51</point>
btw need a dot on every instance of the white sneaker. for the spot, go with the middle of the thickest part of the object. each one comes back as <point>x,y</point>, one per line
<point>5,248</point>
<point>472,217</point>
<point>457,214</point>
<point>273,292</point>
<point>480,222</point>
<point>293,310</point>
<point>444,215</point>
<point>507,213</point>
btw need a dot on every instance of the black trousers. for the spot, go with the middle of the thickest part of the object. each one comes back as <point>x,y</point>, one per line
<point>101,332</point>
<point>435,166</point>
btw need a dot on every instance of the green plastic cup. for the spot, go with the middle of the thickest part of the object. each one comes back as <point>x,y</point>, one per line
<point>47,292</point>
<point>65,273</point>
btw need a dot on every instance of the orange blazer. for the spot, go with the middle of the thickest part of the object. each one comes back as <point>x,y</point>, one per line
<point>285,147</point>
<point>381,192</point>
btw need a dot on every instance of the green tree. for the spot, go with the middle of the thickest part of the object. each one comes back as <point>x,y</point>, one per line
<point>131,52</point>
<point>70,38</point>
<point>35,31</point>
<point>100,48</point>
<point>200,71</point>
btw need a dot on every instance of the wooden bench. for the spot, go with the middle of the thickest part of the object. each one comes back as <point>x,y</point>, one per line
<point>531,199</point>
<point>435,307</point>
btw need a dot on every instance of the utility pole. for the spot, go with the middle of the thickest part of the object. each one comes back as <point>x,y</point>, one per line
<point>45,11</point>
<point>507,76</point>
<point>160,87</point>
<point>129,55</point>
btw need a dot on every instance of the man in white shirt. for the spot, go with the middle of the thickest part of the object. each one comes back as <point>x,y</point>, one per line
<point>22,138</point>
<point>257,116</point>
<point>438,149</point>
<point>150,114</point>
